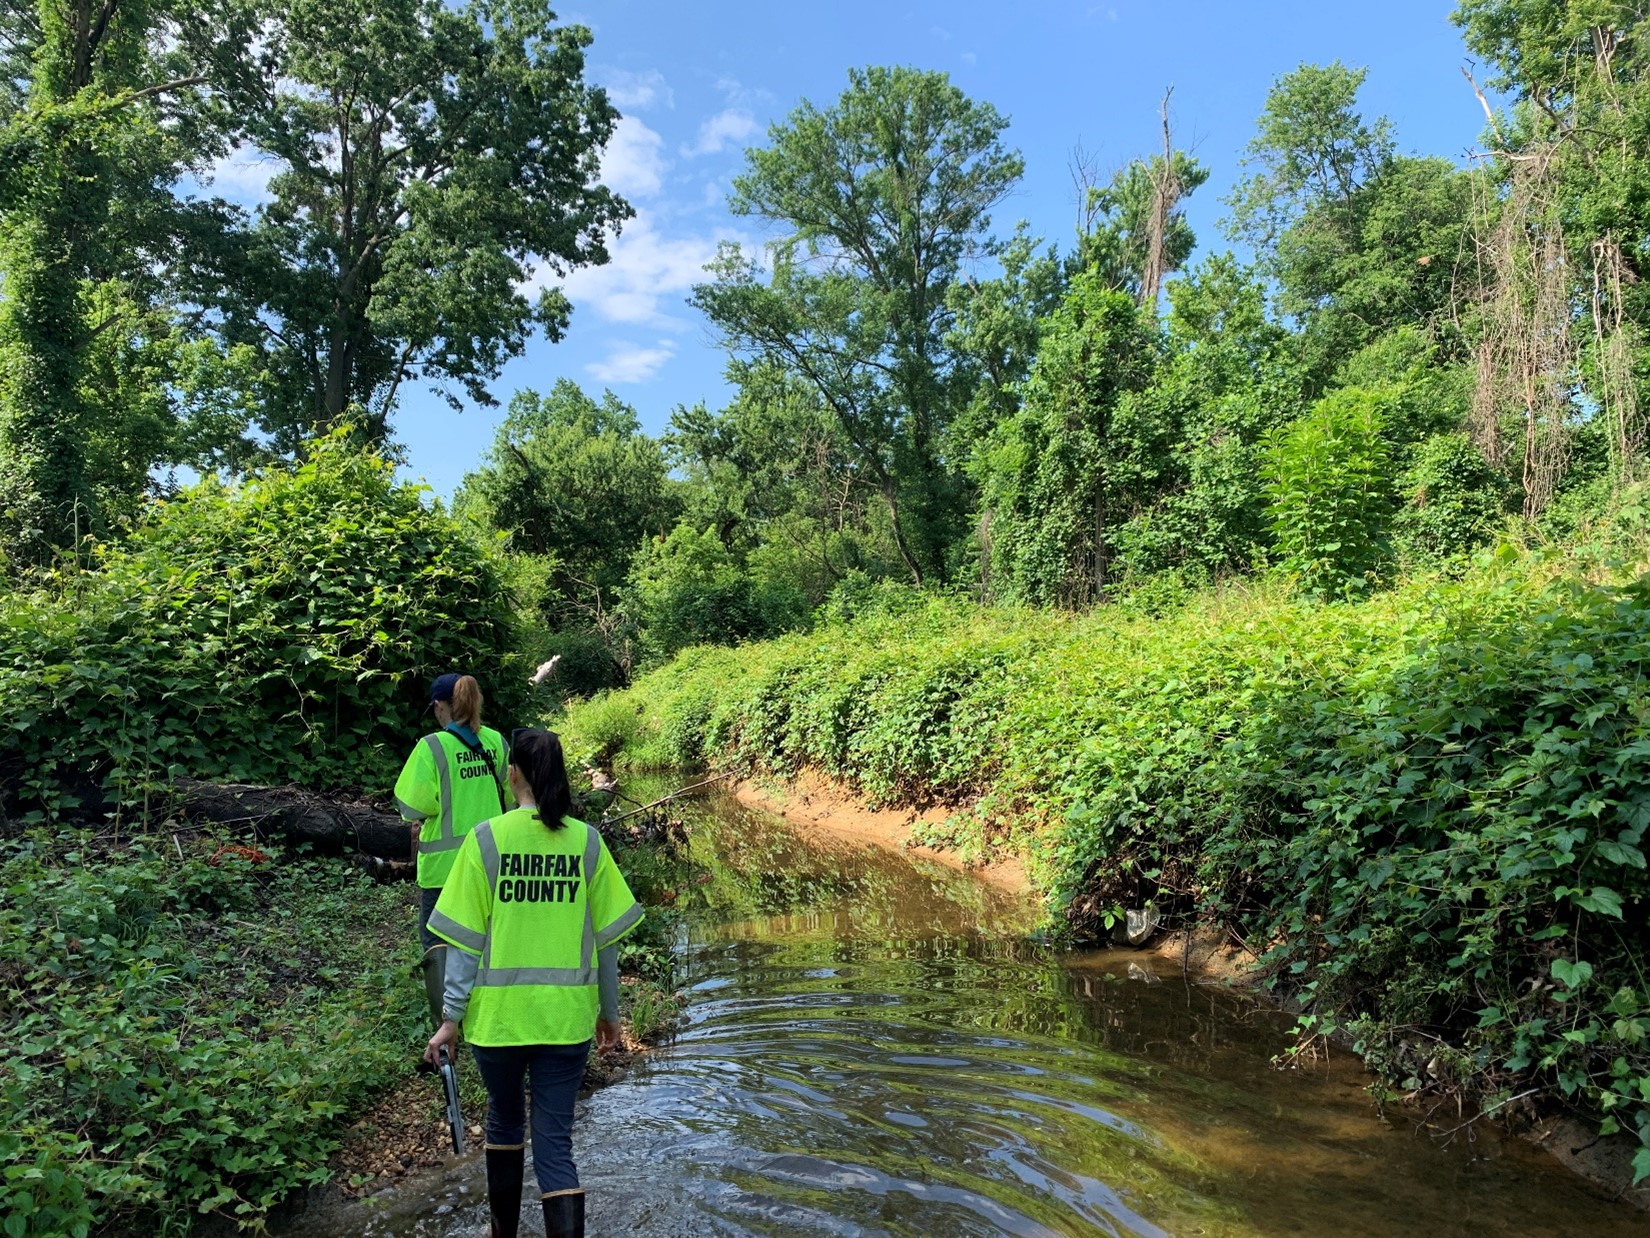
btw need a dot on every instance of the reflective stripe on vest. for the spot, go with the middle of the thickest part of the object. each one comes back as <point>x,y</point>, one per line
<point>446,842</point>
<point>585,973</point>
<point>449,927</point>
<point>619,927</point>
<point>592,857</point>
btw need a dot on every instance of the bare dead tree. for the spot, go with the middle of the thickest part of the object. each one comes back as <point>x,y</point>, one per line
<point>1527,357</point>
<point>1083,165</point>
<point>1616,343</point>
<point>1166,191</point>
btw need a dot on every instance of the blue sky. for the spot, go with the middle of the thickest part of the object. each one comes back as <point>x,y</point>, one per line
<point>698,83</point>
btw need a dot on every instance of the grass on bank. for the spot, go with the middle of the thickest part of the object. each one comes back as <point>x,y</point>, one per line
<point>1426,808</point>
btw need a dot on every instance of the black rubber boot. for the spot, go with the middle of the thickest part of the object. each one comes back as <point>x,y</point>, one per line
<point>504,1171</point>
<point>564,1215</point>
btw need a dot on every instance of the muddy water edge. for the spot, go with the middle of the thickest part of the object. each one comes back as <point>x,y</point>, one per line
<point>875,1045</point>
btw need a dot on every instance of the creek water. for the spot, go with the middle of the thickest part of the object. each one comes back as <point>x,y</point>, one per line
<point>874,1046</point>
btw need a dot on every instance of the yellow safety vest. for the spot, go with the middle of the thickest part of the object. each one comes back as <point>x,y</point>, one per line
<point>536,904</point>
<point>446,788</point>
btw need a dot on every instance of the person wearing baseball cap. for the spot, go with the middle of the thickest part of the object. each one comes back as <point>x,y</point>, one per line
<point>453,780</point>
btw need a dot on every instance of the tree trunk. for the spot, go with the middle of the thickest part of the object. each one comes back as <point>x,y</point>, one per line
<point>890,496</point>
<point>295,815</point>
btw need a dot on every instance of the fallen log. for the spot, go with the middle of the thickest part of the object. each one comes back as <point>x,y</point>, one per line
<point>294,815</point>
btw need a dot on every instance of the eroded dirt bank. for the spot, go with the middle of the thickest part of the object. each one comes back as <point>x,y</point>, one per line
<point>815,803</point>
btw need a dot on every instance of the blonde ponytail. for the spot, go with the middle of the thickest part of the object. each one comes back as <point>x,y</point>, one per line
<point>467,702</point>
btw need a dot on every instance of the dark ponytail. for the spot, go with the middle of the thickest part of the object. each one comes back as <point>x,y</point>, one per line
<point>537,754</point>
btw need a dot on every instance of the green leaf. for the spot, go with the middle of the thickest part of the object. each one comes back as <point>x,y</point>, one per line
<point>1602,899</point>
<point>1621,853</point>
<point>1572,975</point>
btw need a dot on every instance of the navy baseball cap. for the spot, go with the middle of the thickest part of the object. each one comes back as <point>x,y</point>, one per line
<point>441,689</point>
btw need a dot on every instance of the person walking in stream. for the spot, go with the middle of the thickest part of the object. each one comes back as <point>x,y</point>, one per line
<point>533,910</point>
<point>453,779</point>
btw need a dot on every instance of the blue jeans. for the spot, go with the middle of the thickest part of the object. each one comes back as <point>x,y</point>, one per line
<point>554,1073</point>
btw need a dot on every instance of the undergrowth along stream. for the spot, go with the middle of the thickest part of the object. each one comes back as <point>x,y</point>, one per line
<point>1425,809</point>
<point>194,1023</point>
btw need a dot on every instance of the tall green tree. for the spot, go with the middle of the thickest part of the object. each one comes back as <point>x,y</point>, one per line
<point>1080,457</point>
<point>884,197</point>
<point>574,482</point>
<point>1358,240</point>
<point>106,104</point>
<point>428,158</point>
<point>1312,151</point>
<point>996,326</point>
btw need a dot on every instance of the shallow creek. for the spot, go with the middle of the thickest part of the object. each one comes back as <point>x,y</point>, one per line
<point>874,1046</point>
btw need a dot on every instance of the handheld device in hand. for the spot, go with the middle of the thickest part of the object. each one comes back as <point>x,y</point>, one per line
<point>449,1085</point>
<point>432,968</point>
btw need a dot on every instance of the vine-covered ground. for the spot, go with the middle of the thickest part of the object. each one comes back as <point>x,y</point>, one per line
<point>204,1027</point>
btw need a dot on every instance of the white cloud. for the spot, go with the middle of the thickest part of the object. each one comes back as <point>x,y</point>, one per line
<point>633,163</point>
<point>645,269</point>
<point>243,175</point>
<point>631,363</point>
<point>638,91</point>
<point>969,59</point>
<point>734,124</point>
<point>735,91</point>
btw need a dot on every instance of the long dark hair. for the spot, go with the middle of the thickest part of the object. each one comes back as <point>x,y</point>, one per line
<point>537,754</point>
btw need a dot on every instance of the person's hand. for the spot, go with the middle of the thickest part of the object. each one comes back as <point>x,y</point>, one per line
<point>607,1034</point>
<point>446,1036</point>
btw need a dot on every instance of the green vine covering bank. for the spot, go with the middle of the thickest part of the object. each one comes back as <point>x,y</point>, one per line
<point>188,1032</point>
<point>1426,809</point>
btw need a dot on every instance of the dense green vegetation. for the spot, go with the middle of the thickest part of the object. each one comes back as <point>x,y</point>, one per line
<point>1424,809</point>
<point>1408,358</point>
<point>193,1024</point>
<point>187,1029</point>
<point>278,631</point>
<point>1176,563</point>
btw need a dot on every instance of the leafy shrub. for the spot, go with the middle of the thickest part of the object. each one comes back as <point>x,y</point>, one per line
<point>1328,493</point>
<point>607,725</point>
<point>689,589</point>
<point>185,1035</point>
<point>279,631</point>
<point>1454,501</point>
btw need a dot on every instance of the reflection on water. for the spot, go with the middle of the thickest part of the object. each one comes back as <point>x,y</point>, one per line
<point>874,1049</point>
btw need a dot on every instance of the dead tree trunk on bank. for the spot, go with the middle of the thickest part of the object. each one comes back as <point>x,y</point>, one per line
<point>294,815</point>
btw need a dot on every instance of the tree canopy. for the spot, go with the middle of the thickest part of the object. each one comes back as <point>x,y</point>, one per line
<point>884,197</point>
